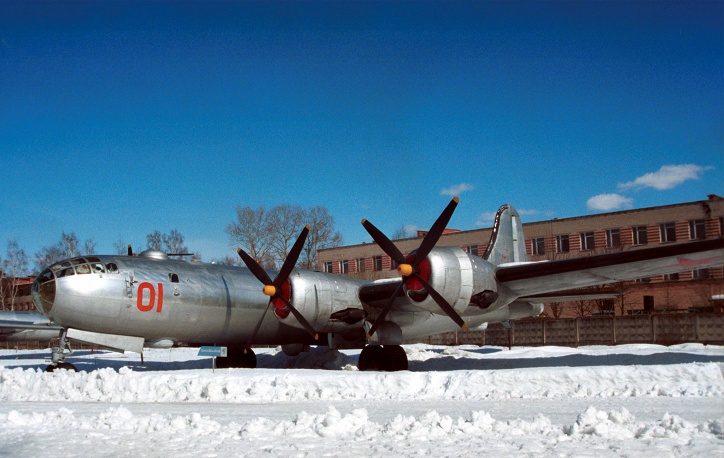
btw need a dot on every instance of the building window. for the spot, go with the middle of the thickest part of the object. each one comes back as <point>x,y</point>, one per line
<point>360,264</point>
<point>668,232</point>
<point>613,238</point>
<point>472,249</point>
<point>344,266</point>
<point>377,263</point>
<point>697,229</point>
<point>328,266</point>
<point>701,274</point>
<point>563,243</point>
<point>539,246</point>
<point>671,277</point>
<point>588,241</point>
<point>640,235</point>
<point>393,264</point>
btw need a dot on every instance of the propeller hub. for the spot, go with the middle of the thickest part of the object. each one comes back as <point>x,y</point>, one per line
<point>405,270</point>
<point>269,290</point>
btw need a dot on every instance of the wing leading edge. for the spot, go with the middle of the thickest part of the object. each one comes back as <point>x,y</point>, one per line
<point>552,276</point>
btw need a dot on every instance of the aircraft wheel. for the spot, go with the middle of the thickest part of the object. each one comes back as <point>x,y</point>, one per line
<point>371,358</point>
<point>394,358</point>
<point>66,366</point>
<point>238,360</point>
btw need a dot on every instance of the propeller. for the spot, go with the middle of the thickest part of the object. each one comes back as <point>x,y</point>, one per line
<point>278,289</point>
<point>411,267</point>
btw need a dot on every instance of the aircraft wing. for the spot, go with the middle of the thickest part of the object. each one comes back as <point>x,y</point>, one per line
<point>540,279</point>
<point>22,326</point>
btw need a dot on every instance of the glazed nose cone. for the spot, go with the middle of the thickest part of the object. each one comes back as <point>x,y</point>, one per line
<point>44,291</point>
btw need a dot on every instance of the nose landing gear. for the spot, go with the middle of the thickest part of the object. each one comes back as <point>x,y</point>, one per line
<point>59,353</point>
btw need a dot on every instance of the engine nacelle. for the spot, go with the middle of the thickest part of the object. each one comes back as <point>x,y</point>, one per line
<point>458,277</point>
<point>329,303</point>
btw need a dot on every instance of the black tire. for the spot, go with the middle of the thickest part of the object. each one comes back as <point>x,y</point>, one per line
<point>65,366</point>
<point>394,358</point>
<point>239,360</point>
<point>371,358</point>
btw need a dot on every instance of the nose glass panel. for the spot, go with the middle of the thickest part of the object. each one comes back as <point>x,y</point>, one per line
<point>43,290</point>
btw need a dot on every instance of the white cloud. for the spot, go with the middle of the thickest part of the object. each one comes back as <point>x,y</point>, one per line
<point>457,190</point>
<point>608,202</point>
<point>667,177</point>
<point>486,219</point>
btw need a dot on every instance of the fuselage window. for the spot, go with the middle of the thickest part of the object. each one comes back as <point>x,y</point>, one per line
<point>173,277</point>
<point>112,268</point>
<point>98,268</point>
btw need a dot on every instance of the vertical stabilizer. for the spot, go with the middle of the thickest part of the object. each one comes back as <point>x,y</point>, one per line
<point>507,243</point>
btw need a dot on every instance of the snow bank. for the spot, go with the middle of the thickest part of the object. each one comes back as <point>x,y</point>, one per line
<point>356,434</point>
<point>272,386</point>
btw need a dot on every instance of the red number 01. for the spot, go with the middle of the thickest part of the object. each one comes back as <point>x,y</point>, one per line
<point>151,297</point>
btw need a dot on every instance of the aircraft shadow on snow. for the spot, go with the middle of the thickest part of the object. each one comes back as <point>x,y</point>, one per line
<point>335,361</point>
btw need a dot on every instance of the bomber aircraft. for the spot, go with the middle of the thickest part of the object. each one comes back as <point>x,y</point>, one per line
<point>130,302</point>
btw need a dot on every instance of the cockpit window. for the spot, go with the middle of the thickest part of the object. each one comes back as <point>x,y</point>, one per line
<point>45,277</point>
<point>83,269</point>
<point>76,261</point>
<point>98,268</point>
<point>112,268</point>
<point>93,259</point>
<point>65,272</point>
<point>60,266</point>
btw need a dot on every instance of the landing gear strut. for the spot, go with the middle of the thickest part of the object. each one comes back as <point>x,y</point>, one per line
<point>59,353</point>
<point>389,358</point>
<point>238,359</point>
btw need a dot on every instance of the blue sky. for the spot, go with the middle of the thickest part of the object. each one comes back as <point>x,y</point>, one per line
<point>120,118</point>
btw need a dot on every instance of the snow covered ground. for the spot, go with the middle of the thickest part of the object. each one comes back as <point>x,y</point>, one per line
<point>632,400</point>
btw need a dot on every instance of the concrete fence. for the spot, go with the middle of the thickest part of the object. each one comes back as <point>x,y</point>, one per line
<point>656,329</point>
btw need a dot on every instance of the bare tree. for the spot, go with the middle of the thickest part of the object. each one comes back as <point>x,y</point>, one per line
<point>404,232</point>
<point>154,241</point>
<point>251,232</point>
<point>228,261</point>
<point>284,223</point>
<point>171,243</point>
<point>13,266</point>
<point>70,244</point>
<point>321,235</point>
<point>584,307</point>
<point>174,243</point>
<point>554,310</point>
<point>67,247</point>
<point>120,246</point>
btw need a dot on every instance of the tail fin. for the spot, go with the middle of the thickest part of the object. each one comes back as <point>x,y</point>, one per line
<point>507,243</point>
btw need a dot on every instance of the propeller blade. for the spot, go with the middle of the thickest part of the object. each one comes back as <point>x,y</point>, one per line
<point>256,328</point>
<point>383,312</point>
<point>384,243</point>
<point>130,250</point>
<point>428,243</point>
<point>292,257</point>
<point>303,321</point>
<point>255,268</point>
<point>444,306</point>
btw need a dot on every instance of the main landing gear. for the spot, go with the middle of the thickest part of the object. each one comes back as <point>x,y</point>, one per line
<point>238,358</point>
<point>58,355</point>
<point>389,358</point>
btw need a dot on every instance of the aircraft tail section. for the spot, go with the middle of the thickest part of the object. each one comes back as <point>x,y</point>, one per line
<point>507,243</point>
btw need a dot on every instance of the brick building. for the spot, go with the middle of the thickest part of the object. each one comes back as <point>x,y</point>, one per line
<point>562,238</point>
